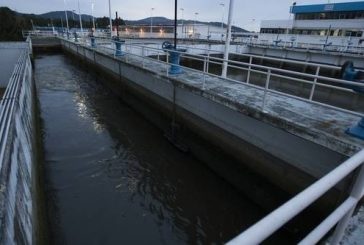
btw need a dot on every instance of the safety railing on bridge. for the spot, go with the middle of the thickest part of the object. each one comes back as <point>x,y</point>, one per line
<point>339,217</point>
<point>147,53</point>
<point>17,154</point>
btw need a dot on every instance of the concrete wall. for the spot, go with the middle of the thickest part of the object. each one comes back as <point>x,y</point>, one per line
<point>18,173</point>
<point>41,44</point>
<point>281,158</point>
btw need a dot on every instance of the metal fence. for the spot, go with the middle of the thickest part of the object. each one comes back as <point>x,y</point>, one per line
<point>348,49</point>
<point>17,155</point>
<point>340,217</point>
<point>315,81</point>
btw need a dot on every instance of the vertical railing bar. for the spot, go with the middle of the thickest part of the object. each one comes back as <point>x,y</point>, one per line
<point>208,61</point>
<point>357,193</point>
<point>314,83</point>
<point>250,67</point>
<point>266,89</point>
<point>204,72</point>
<point>167,67</point>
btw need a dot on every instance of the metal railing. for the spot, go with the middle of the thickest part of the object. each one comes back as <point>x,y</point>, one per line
<point>153,54</point>
<point>38,33</point>
<point>340,217</point>
<point>17,154</point>
<point>348,49</point>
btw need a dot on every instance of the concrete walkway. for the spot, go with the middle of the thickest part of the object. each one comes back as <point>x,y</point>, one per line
<point>323,125</point>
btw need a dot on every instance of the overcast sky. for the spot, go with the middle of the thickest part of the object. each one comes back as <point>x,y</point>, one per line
<point>247,13</point>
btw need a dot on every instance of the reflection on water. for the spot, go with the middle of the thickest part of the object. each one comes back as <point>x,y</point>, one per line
<point>111,177</point>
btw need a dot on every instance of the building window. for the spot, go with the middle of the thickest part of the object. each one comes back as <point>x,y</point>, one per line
<point>330,15</point>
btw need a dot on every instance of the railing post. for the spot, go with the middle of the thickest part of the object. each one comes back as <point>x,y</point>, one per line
<point>250,67</point>
<point>204,72</point>
<point>266,89</point>
<point>208,61</point>
<point>167,59</point>
<point>314,83</point>
<point>357,193</point>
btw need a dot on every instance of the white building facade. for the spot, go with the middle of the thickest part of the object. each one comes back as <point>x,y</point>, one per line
<point>328,24</point>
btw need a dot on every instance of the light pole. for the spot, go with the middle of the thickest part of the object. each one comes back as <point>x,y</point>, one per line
<point>73,17</point>
<point>182,9</point>
<point>79,12</point>
<point>110,19</point>
<point>62,24</point>
<point>194,25</point>
<point>222,20</point>
<point>65,11</point>
<point>92,13</point>
<point>228,38</point>
<point>151,21</point>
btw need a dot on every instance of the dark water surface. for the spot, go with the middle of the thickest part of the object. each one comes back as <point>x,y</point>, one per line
<point>112,178</point>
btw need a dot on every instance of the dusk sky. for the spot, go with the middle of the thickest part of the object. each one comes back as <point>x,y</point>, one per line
<point>247,14</point>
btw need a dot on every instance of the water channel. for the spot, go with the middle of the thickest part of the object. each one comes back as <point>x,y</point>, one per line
<point>112,178</point>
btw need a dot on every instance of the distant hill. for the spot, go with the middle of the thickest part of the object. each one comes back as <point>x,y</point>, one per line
<point>12,23</point>
<point>61,15</point>
<point>158,20</point>
<point>165,21</point>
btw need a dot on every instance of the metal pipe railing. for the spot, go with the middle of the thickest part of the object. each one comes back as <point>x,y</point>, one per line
<point>348,49</point>
<point>8,101</point>
<point>275,72</point>
<point>282,215</point>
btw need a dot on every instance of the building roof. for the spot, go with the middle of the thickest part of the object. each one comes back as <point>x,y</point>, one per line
<point>330,7</point>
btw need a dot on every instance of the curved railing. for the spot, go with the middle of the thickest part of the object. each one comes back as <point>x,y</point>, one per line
<point>17,154</point>
<point>340,217</point>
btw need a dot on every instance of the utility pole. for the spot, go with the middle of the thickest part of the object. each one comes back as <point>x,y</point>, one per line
<point>65,11</point>
<point>222,20</point>
<point>93,19</point>
<point>110,19</point>
<point>151,21</point>
<point>182,9</point>
<point>228,38</point>
<point>79,12</point>
<point>175,24</point>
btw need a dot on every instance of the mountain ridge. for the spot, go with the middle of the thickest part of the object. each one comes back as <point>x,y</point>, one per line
<point>157,20</point>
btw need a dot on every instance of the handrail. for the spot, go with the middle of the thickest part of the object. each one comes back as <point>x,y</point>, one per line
<point>7,103</point>
<point>282,215</point>
<point>17,153</point>
<point>271,71</point>
<point>355,50</point>
<point>297,62</point>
